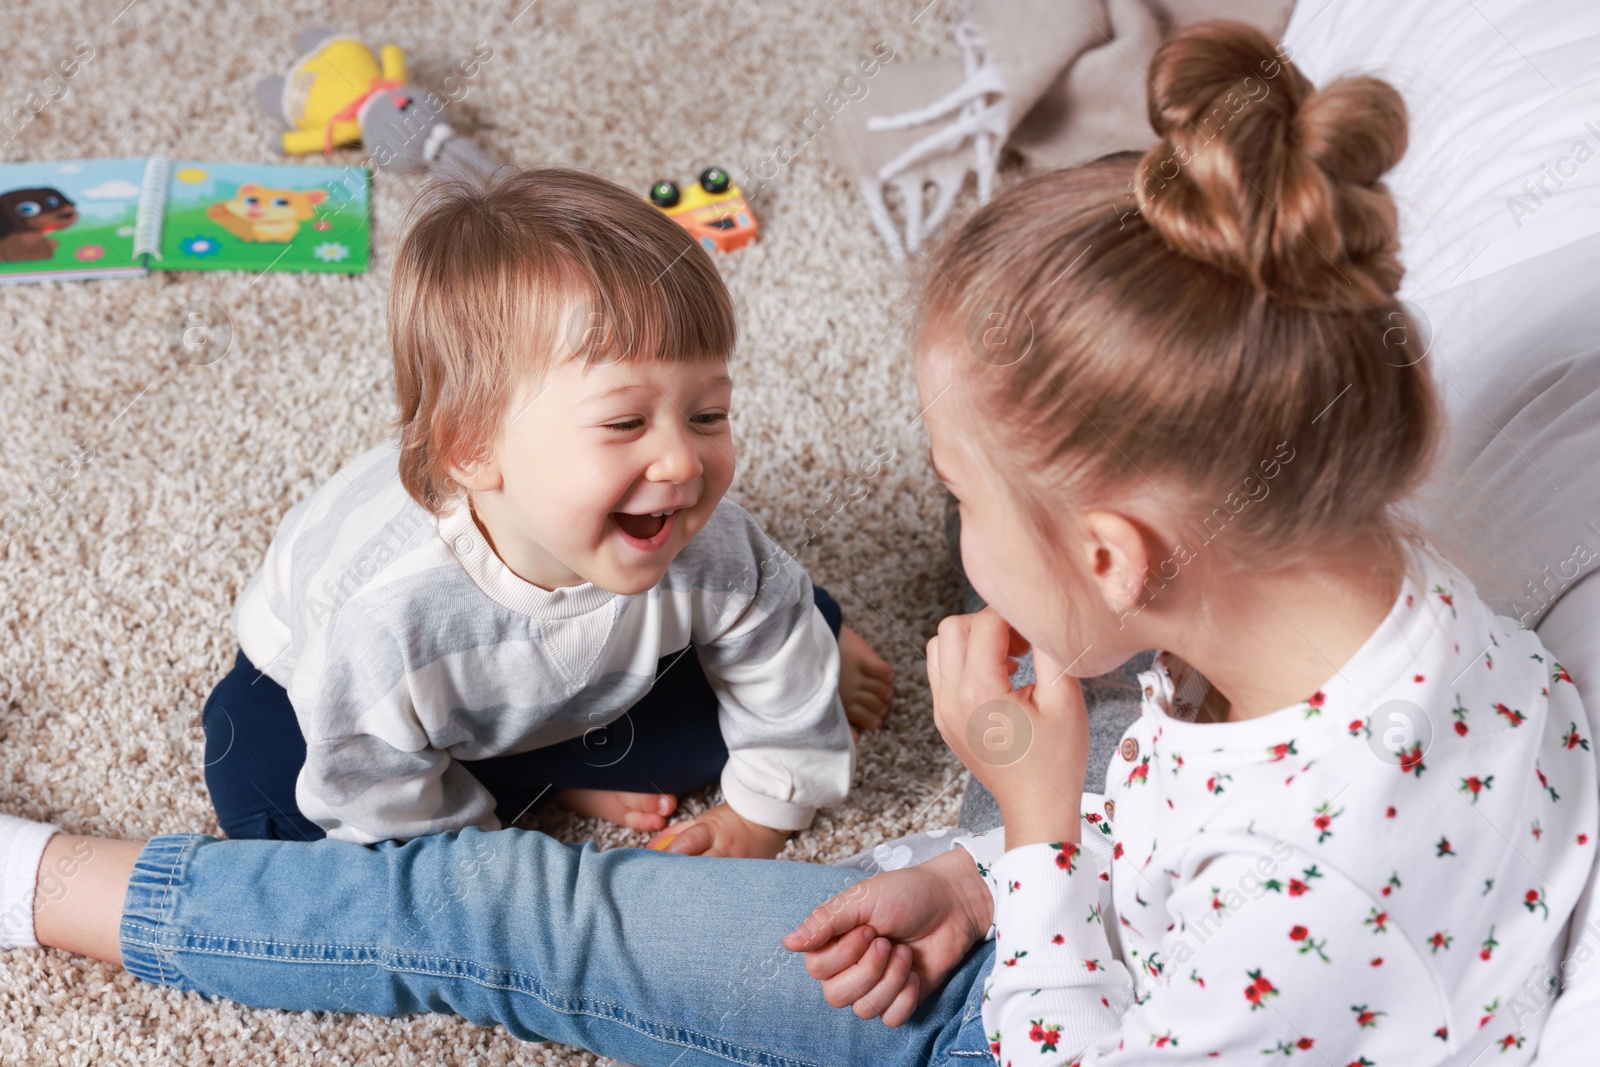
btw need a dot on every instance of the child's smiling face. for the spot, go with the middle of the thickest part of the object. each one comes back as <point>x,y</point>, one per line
<point>602,473</point>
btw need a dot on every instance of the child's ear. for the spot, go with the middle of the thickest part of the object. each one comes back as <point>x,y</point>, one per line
<point>1116,559</point>
<point>481,473</point>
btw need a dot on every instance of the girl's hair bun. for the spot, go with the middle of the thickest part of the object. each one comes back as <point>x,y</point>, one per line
<point>1260,174</point>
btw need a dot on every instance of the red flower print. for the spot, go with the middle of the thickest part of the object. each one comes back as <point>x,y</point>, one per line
<point>1316,699</point>
<point>1571,739</point>
<point>1474,785</point>
<point>1410,600</point>
<point>1323,820</point>
<point>1419,679</point>
<point>1163,1040</point>
<point>1443,1033</point>
<point>1443,848</point>
<point>1533,900</point>
<point>1058,940</point>
<point>1377,961</point>
<point>1282,749</point>
<point>1511,1041</point>
<point>1545,782</point>
<point>1015,956</point>
<point>1116,851</point>
<point>1366,1018</point>
<point>1141,773</point>
<point>1461,729</point>
<point>1378,920</point>
<point>1515,718</point>
<point>1066,859</point>
<point>1411,760</point>
<point>1439,940</point>
<point>1214,783</point>
<point>1390,813</point>
<point>1583,839</point>
<point>1296,887</point>
<point>1091,965</point>
<point>1392,884</point>
<point>1308,943</point>
<point>1561,674</point>
<point>1303,1044</point>
<point>1258,988</point>
<point>1048,1037</point>
<point>1489,945</point>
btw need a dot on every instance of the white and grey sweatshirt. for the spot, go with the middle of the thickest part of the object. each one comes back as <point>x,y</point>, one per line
<point>405,644</point>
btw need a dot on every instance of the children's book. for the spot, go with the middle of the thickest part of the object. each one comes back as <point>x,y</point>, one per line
<point>103,218</point>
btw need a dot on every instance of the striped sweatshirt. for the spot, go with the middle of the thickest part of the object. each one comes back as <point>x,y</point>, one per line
<point>405,644</point>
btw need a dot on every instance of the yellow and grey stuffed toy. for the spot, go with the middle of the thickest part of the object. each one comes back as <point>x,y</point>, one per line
<point>338,93</point>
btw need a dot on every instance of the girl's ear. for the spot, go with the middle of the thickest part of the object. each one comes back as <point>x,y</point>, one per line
<point>1115,559</point>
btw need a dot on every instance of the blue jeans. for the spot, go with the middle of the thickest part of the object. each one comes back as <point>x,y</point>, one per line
<point>254,749</point>
<point>639,955</point>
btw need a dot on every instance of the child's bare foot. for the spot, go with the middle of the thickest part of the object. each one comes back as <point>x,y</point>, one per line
<point>866,682</point>
<point>636,811</point>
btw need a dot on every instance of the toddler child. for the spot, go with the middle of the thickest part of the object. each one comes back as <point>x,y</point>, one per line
<point>538,585</point>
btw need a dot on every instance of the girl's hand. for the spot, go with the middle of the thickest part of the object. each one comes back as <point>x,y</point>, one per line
<point>721,831</point>
<point>882,945</point>
<point>1028,745</point>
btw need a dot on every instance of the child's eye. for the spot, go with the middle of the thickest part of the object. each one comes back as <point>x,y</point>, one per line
<point>625,427</point>
<point>711,418</point>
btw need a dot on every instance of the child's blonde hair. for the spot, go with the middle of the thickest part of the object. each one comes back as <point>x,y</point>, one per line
<point>496,278</point>
<point>1182,320</point>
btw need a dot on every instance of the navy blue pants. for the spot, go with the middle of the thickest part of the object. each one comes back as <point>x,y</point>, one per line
<point>254,749</point>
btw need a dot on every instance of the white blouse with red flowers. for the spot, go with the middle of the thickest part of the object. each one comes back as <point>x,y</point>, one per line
<point>1379,875</point>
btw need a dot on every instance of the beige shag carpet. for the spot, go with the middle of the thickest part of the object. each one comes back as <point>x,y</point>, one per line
<point>116,583</point>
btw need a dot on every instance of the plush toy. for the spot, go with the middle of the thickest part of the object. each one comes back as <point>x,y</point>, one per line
<point>337,93</point>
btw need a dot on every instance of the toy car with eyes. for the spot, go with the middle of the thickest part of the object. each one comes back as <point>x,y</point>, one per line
<point>713,210</point>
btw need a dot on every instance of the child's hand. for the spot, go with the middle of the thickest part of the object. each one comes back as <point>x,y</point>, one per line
<point>1028,745</point>
<point>885,943</point>
<point>721,831</point>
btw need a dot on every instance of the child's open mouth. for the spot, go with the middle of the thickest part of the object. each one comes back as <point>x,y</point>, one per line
<point>645,532</point>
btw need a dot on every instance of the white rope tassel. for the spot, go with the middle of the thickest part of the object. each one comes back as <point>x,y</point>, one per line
<point>973,116</point>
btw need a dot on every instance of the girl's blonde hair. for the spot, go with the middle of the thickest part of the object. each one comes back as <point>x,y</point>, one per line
<point>1175,323</point>
<point>498,277</point>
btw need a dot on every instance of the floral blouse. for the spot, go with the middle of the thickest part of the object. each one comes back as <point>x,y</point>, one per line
<point>1379,875</point>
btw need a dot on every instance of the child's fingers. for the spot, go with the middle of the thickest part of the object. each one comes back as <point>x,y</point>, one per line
<point>880,996</point>
<point>1055,692</point>
<point>858,979</point>
<point>985,675</point>
<point>839,953</point>
<point>837,915</point>
<point>691,839</point>
<point>905,1003</point>
<point>951,656</point>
